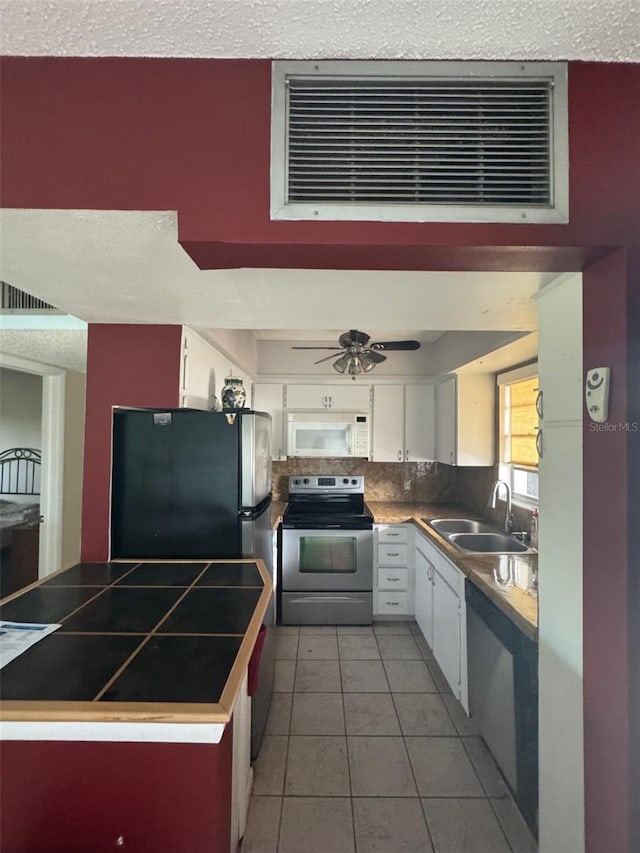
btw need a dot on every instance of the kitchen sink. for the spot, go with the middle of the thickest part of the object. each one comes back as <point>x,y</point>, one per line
<point>460,525</point>
<point>487,543</point>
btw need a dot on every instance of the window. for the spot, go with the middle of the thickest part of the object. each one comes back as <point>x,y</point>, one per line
<point>518,431</point>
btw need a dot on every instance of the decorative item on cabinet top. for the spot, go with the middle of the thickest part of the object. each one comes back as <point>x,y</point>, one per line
<point>234,394</point>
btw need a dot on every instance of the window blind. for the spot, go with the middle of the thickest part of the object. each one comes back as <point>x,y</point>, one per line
<point>523,419</point>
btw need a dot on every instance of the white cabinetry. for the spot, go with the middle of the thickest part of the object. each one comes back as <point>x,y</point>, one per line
<point>441,613</point>
<point>403,423</point>
<point>423,595</point>
<point>348,398</point>
<point>203,371</point>
<point>268,397</point>
<point>465,419</point>
<point>393,572</point>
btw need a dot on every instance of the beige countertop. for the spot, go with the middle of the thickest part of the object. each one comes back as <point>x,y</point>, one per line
<point>507,579</point>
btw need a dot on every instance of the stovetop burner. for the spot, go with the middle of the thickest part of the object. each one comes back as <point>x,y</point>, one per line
<point>327,502</point>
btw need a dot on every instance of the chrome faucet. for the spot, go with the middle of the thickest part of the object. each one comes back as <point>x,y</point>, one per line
<point>508,515</point>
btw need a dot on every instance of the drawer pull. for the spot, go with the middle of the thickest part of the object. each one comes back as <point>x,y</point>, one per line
<point>392,603</point>
<point>392,534</point>
<point>393,580</point>
<point>395,554</point>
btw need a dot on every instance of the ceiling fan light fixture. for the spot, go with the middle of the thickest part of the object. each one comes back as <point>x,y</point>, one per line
<point>341,363</point>
<point>355,365</point>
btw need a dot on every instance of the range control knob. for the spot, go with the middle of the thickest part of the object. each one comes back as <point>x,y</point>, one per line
<point>306,481</point>
<point>297,482</point>
<point>354,482</point>
<point>345,480</point>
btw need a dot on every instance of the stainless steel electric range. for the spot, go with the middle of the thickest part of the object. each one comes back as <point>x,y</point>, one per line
<point>327,552</point>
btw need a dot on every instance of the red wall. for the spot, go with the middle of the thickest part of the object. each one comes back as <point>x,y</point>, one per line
<point>193,135</point>
<point>80,797</point>
<point>127,365</point>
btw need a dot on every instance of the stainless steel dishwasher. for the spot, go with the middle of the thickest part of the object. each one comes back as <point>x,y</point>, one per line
<point>503,696</point>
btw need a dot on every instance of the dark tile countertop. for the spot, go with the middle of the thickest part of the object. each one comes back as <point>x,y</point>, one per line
<point>507,579</point>
<point>139,641</point>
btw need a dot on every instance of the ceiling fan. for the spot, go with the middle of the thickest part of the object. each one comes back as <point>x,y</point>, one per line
<point>361,356</point>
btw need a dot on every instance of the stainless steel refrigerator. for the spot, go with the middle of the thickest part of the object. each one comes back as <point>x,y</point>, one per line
<point>190,484</point>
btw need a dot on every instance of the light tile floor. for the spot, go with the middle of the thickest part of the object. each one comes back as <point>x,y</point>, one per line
<point>367,751</point>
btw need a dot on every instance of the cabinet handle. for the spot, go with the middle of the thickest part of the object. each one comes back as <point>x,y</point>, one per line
<point>406,456</point>
<point>539,443</point>
<point>539,408</point>
<point>399,456</point>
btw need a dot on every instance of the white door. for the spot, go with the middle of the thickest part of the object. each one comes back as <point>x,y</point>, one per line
<point>388,423</point>
<point>307,397</point>
<point>446,632</point>
<point>419,424</point>
<point>353,397</point>
<point>424,596</point>
<point>446,421</point>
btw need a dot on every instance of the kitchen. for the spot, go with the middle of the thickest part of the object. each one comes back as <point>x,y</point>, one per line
<point>604,343</point>
<point>435,483</point>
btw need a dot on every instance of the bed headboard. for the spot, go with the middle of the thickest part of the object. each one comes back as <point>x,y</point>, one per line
<point>20,471</point>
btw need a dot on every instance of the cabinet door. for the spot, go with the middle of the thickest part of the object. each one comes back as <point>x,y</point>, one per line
<point>349,398</point>
<point>308,397</point>
<point>203,372</point>
<point>424,596</point>
<point>268,398</point>
<point>388,423</point>
<point>419,423</point>
<point>446,421</point>
<point>446,632</point>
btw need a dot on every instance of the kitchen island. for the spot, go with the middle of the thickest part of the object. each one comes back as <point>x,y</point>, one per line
<point>117,729</point>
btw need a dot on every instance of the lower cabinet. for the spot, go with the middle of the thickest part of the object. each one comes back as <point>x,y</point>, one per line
<point>393,571</point>
<point>440,614</point>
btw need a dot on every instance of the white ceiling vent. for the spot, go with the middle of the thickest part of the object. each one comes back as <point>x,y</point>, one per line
<point>419,141</point>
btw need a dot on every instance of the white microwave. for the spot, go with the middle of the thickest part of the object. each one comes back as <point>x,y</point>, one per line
<point>328,434</point>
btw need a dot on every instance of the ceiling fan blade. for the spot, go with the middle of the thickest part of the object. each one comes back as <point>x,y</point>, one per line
<point>333,348</point>
<point>395,345</point>
<point>326,358</point>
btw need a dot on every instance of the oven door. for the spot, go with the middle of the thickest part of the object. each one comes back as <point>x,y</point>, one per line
<point>327,560</point>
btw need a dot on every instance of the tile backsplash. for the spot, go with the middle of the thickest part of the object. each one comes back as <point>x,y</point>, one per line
<point>430,482</point>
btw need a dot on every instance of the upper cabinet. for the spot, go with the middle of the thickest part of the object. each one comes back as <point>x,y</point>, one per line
<point>465,419</point>
<point>203,371</point>
<point>403,423</point>
<point>348,398</point>
<point>268,397</point>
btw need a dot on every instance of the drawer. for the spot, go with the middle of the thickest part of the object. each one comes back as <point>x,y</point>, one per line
<point>393,534</point>
<point>393,579</point>
<point>393,602</point>
<point>393,555</point>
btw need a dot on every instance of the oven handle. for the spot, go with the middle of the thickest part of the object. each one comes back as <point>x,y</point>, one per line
<point>325,597</point>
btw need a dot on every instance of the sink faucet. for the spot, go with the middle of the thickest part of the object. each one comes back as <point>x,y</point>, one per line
<point>508,516</point>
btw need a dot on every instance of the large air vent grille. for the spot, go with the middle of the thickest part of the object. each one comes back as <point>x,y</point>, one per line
<point>449,147</point>
<point>13,299</point>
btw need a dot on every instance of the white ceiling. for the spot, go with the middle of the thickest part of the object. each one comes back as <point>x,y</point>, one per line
<point>602,30</point>
<point>127,267</point>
